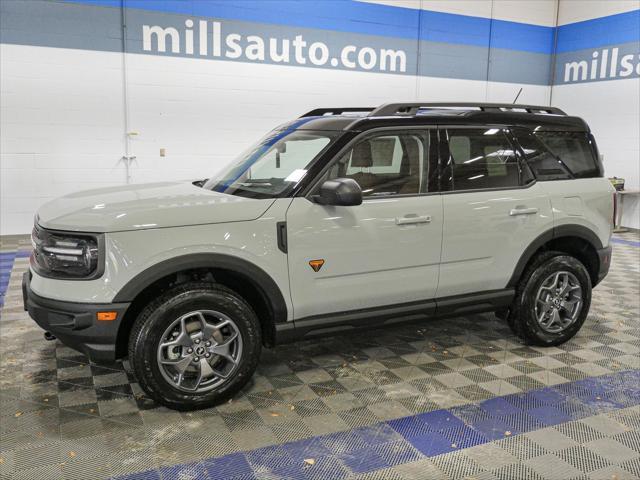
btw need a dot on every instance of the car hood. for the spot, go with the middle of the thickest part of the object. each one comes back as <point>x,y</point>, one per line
<point>154,205</point>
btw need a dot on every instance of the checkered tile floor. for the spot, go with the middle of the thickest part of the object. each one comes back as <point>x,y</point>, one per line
<point>455,398</point>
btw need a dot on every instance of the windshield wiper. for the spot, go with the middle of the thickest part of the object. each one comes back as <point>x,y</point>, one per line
<point>256,183</point>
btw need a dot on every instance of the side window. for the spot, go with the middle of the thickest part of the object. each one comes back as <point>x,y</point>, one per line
<point>386,164</point>
<point>574,149</point>
<point>479,158</point>
<point>543,164</point>
<point>386,156</point>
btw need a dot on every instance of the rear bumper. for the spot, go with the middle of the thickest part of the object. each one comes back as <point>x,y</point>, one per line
<point>604,257</point>
<point>75,324</point>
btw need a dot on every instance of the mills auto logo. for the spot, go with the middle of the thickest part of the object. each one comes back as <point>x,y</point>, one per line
<point>604,64</point>
<point>210,39</point>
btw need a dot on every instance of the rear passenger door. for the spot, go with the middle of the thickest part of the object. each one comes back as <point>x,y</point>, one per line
<point>493,209</point>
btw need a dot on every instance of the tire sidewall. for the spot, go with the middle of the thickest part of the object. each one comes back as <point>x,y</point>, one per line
<point>528,299</point>
<point>145,346</point>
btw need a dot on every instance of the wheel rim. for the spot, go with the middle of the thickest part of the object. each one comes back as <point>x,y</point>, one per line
<point>199,351</point>
<point>558,302</point>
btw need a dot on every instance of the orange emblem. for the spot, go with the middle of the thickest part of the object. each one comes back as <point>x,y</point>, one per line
<point>316,264</point>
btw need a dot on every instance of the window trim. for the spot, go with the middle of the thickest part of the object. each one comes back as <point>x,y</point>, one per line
<point>522,158</point>
<point>444,148</point>
<point>492,189</point>
<point>433,163</point>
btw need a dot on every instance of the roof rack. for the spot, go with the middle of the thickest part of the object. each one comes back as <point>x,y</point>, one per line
<point>389,109</point>
<point>318,112</point>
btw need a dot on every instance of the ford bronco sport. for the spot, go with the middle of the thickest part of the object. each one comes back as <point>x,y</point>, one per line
<point>343,218</point>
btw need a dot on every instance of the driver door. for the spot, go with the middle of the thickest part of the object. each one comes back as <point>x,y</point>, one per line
<point>383,252</point>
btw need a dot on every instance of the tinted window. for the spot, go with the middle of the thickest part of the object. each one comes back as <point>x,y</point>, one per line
<point>386,164</point>
<point>574,149</point>
<point>479,158</point>
<point>543,164</point>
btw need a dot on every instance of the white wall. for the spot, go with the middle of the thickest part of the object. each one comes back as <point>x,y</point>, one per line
<point>612,107</point>
<point>572,11</point>
<point>537,12</point>
<point>61,127</point>
<point>63,109</point>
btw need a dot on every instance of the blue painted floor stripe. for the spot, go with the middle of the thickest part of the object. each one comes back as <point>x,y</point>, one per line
<point>13,254</point>
<point>6,265</point>
<point>391,443</point>
<point>622,241</point>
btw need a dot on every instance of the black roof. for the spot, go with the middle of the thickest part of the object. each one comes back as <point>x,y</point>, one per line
<point>427,113</point>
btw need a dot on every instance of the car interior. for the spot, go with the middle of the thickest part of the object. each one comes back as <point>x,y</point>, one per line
<point>386,165</point>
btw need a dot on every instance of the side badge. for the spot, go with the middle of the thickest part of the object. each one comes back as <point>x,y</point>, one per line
<point>316,264</point>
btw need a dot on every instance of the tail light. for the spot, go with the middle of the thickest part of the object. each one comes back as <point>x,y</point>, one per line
<point>615,209</point>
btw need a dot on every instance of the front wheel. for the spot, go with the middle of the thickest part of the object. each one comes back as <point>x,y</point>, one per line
<point>552,300</point>
<point>195,346</point>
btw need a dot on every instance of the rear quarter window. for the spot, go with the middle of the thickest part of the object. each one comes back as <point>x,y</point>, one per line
<point>576,151</point>
<point>543,164</point>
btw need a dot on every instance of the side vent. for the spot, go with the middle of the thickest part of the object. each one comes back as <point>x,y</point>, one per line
<point>281,228</point>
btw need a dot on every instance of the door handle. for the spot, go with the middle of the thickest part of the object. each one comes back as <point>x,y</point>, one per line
<point>522,211</point>
<point>412,219</point>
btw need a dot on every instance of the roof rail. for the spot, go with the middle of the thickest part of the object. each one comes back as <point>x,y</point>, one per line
<point>389,109</point>
<point>318,112</point>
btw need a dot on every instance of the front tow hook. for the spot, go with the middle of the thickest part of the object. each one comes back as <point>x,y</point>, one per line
<point>49,336</point>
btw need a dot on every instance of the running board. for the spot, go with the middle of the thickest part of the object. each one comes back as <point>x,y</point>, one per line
<point>333,323</point>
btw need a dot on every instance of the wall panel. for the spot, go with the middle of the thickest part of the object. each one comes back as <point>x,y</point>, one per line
<point>77,94</point>
<point>604,92</point>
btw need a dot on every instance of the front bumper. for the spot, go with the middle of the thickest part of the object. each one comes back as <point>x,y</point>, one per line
<point>604,257</point>
<point>75,324</point>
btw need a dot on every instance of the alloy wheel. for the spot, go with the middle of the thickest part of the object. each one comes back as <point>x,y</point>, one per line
<point>199,351</point>
<point>558,302</point>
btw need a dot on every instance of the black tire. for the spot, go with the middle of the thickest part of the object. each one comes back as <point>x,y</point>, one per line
<point>158,315</point>
<point>522,318</point>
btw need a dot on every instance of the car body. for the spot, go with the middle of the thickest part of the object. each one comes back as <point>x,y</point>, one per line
<point>370,216</point>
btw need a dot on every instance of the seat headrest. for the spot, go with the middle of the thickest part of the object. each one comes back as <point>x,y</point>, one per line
<point>361,156</point>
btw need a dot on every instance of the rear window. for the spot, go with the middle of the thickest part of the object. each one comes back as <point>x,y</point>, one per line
<point>575,151</point>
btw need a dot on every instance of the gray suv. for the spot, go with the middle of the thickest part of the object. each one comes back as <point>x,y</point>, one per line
<point>341,219</point>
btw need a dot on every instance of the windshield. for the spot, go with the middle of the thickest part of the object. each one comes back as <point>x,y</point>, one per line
<point>273,166</point>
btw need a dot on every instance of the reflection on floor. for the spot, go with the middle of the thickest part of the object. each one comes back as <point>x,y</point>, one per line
<point>455,398</point>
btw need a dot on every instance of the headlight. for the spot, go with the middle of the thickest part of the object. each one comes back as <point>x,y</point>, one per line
<point>65,254</point>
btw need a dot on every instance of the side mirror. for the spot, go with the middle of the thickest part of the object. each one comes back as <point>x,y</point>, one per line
<point>341,191</point>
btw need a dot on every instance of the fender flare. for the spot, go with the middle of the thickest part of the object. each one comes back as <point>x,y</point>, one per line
<point>258,278</point>
<point>556,232</point>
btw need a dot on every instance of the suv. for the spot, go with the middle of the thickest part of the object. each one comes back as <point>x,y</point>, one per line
<point>343,218</point>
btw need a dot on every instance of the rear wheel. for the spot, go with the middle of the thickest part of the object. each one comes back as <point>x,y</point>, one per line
<point>195,346</point>
<point>552,300</point>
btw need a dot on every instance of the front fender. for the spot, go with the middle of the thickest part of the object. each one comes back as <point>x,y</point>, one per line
<point>251,272</point>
